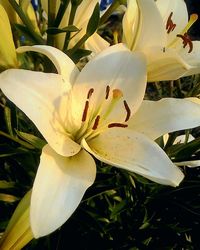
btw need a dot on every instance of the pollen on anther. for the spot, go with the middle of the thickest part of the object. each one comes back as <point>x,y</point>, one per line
<point>107,92</point>
<point>96,122</point>
<point>85,111</point>
<point>90,92</point>
<point>128,111</point>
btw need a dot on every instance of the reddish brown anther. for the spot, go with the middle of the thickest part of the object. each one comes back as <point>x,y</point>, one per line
<point>96,122</point>
<point>90,92</point>
<point>118,125</point>
<point>170,26</point>
<point>186,41</point>
<point>128,111</point>
<point>107,92</point>
<point>85,111</point>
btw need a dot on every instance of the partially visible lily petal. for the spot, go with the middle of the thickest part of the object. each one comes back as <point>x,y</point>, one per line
<point>96,44</point>
<point>190,164</point>
<point>39,96</point>
<point>132,151</point>
<point>154,119</point>
<point>174,8</point>
<point>126,71</point>
<point>151,30</point>
<point>165,64</point>
<point>59,186</point>
<point>64,65</point>
<point>193,58</point>
<point>8,56</point>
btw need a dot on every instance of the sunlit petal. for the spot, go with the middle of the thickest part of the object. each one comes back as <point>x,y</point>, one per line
<point>167,115</point>
<point>166,7</point>
<point>151,28</point>
<point>165,64</point>
<point>39,96</point>
<point>64,65</point>
<point>132,151</point>
<point>58,189</point>
<point>96,43</point>
<point>117,68</point>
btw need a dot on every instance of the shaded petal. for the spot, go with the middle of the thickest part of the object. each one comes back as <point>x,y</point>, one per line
<point>132,151</point>
<point>166,7</point>
<point>131,23</point>
<point>64,65</point>
<point>192,58</point>
<point>96,43</point>
<point>59,186</point>
<point>154,119</point>
<point>39,95</point>
<point>164,65</point>
<point>152,30</point>
<point>190,164</point>
<point>117,67</point>
<point>8,57</point>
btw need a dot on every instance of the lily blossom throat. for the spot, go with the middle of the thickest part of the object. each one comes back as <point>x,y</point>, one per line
<point>99,121</point>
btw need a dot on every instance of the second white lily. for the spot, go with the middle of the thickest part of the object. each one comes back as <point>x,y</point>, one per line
<point>159,29</point>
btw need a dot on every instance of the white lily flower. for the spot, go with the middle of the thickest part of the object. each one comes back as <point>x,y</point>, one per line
<point>89,113</point>
<point>84,11</point>
<point>159,30</point>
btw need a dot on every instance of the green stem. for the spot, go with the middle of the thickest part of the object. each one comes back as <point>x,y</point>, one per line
<point>109,11</point>
<point>23,143</point>
<point>51,19</point>
<point>26,21</point>
<point>71,20</point>
<point>61,12</point>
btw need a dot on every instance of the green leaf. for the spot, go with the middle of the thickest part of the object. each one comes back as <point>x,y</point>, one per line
<point>32,139</point>
<point>6,184</point>
<point>78,54</point>
<point>54,30</point>
<point>94,21</point>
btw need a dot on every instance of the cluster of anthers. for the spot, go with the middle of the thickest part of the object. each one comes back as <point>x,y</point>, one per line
<point>186,40</point>
<point>100,121</point>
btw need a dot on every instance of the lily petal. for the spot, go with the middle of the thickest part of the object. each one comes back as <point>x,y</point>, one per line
<point>8,56</point>
<point>39,96</point>
<point>190,164</point>
<point>64,65</point>
<point>96,43</point>
<point>59,186</point>
<point>116,67</point>
<point>150,27</point>
<point>154,119</point>
<point>166,7</point>
<point>132,151</point>
<point>165,64</point>
<point>193,58</point>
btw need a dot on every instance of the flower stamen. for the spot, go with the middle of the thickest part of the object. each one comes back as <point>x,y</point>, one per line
<point>85,111</point>
<point>128,111</point>
<point>96,122</point>
<point>186,41</point>
<point>107,92</point>
<point>170,26</point>
<point>90,92</point>
<point>116,124</point>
